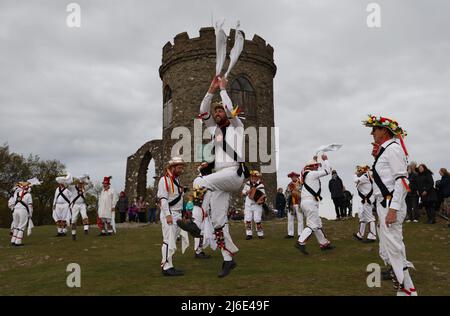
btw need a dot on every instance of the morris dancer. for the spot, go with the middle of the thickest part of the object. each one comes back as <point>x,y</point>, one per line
<point>61,204</point>
<point>170,196</point>
<point>364,186</point>
<point>230,171</point>
<point>293,193</point>
<point>311,190</point>
<point>22,212</point>
<point>255,196</point>
<point>11,203</point>
<point>106,204</point>
<point>79,205</point>
<point>391,186</point>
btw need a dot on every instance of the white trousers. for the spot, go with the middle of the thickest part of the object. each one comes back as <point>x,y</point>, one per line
<point>77,210</point>
<point>20,220</point>
<point>198,216</point>
<point>170,233</point>
<point>220,185</point>
<point>392,248</point>
<point>253,212</point>
<point>366,217</point>
<point>310,208</point>
<point>61,212</point>
<point>291,220</point>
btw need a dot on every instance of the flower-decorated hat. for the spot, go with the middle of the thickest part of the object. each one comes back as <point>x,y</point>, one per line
<point>362,168</point>
<point>293,174</point>
<point>390,124</point>
<point>255,173</point>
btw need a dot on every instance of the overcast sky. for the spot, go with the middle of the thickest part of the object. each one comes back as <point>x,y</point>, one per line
<point>91,96</point>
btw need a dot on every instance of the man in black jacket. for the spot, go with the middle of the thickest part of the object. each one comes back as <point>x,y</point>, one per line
<point>337,194</point>
<point>412,198</point>
<point>280,203</point>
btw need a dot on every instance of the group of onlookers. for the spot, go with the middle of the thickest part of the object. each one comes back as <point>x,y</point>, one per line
<point>426,193</point>
<point>138,210</point>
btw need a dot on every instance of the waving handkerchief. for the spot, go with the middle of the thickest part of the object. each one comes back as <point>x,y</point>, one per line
<point>236,50</point>
<point>221,46</point>
<point>326,148</point>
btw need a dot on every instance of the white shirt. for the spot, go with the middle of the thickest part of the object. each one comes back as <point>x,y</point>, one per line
<point>363,184</point>
<point>26,199</point>
<point>167,192</point>
<point>59,199</point>
<point>391,165</point>
<point>234,133</point>
<point>74,192</point>
<point>247,187</point>
<point>313,180</point>
<point>106,203</point>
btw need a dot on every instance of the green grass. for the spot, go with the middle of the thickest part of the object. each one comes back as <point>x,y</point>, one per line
<point>128,264</point>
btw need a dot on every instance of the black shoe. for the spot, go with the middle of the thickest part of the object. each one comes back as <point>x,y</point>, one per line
<point>102,234</point>
<point>86,232</point>
<point>190,227</point>
<point>13,244</point>
<point>202,255</point>
<point>59,235</point>
<point>327,247</point>
<point>248,237</point>
<point>289,237</point>
<point>74,237</point>
<point>302,248</point>
<point>357,237</point>
<point>369,241</point>
<point>260,237</point>
<point>227,266</point>
<point>172,272</point>
<point>21,245</point>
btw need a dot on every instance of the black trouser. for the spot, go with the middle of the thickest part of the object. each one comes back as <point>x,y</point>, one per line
<point>431,211</point>
<point>338,207</point>
<point>280,212</point>
<point>123,216</point>
<point>142,217</point>
<point>412,207</point>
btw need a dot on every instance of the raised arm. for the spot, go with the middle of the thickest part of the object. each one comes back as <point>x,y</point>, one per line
<point>205,106</point>
<point>228,104</point>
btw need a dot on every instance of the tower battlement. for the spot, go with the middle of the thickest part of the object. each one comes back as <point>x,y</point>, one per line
<point>185,48</point>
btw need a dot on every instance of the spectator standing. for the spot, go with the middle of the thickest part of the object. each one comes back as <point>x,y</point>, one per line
<point>122,206</point>
<point>412,198</point>
<point>142,209</point>
<point>280,203</point>
<point>348,203</point>
<point>132,211</point>
<point>444,192</point>
<point>336,188</point>
<point>428,195</point>
<point>189,207</point>
<point>152,212</point>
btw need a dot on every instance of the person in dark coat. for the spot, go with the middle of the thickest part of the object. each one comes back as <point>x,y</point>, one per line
<point>336,188</point>
<point>444,191</point>
<point>348,203</point>
<point>412,197</point>
<point>428,195</point>
<point>280,203</point>
<point>122,206</point>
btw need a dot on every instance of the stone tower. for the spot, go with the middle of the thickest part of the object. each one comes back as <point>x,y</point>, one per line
<point>188,66</point>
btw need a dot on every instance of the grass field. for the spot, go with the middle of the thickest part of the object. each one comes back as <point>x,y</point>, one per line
<point>128,264</point>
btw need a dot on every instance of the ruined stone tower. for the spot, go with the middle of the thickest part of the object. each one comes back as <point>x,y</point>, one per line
<point>188,66</point>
